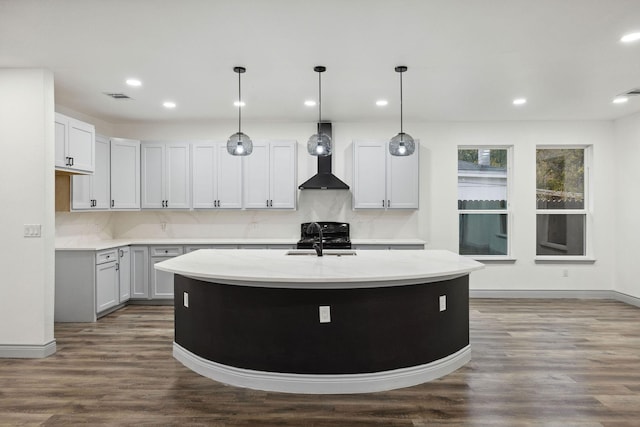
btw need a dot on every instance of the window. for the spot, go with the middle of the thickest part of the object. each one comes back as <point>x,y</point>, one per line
<point>561,201</point>
<point>483,204</point>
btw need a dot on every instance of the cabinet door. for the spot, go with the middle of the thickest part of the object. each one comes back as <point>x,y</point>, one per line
<point>153,167</point>
<point>89,188</point>
<point>81,143</point>
<point>228,178</point>
<point>403,176</point>
<point>177,183</point>
<point>139,272</point>
<point>161,281</point>
<point>81,195</point>
<point>369,170</point>
<point>106,286</point>
<point>282,175</point>
<point>61,132</point>
<point>124,273</point>
<point>256,177</point>
<point>125,173</point>
<point>203,172</point>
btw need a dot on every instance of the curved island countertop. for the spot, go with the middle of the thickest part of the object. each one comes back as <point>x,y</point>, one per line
<point>377,320</point>
<point>274,268</point>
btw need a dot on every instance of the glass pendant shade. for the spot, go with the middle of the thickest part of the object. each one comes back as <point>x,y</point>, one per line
<point>319,144</point>
<point>239,144</point>
<point>402,145</point>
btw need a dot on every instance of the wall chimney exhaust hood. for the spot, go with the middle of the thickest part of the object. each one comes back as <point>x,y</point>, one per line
<point>324,179</point>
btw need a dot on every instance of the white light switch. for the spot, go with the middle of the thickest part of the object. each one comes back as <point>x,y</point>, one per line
<point>325,314</point>
<point>443,302</point>
<point>186,300</point>
<point>32,230</point>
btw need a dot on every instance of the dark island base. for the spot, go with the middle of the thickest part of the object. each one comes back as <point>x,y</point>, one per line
<point>278,330</point>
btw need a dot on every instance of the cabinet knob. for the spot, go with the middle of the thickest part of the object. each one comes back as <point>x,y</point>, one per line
<point>166,252</point>
<point>383,203</point>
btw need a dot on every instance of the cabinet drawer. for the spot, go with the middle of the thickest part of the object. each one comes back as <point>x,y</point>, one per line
<point>166,250</point>
<point>106,256</point>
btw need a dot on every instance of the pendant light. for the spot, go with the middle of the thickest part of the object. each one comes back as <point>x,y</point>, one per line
<point>402,144</point>
<point>319,144</point>
<point>239,144</point>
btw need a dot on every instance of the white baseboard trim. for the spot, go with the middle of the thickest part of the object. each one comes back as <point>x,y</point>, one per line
<point>512,293</point>
<point>322,384</point>
<point>20,351</point>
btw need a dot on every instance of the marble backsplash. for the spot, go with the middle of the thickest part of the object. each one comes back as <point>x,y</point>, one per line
<point>313,205</point>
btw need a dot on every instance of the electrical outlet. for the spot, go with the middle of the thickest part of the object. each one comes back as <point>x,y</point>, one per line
<point>443,302</point>
<point>186,300</point>
<point>325,314</point>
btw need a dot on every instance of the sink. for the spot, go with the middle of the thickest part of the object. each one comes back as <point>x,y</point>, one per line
<point>326,252</point>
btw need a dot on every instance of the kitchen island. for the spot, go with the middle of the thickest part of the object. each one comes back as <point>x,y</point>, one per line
<point>341,323</point>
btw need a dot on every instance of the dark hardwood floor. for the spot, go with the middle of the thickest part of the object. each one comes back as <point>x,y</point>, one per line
<point>534,362</point>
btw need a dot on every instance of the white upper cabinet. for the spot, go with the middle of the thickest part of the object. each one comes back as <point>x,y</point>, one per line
<point>270,175</point>
<point>216,177</point>
<point>125,174</point>
<point>383,181</point>
<point>75,145</point>
<point>166,175</point>
<point>91,192</point>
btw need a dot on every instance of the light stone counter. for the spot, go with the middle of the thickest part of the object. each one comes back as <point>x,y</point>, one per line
<point>274,268</point>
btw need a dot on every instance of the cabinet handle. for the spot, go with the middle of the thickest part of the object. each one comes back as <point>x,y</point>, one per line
<point>67,161</point>
<point>117,266</point>
<point>113,203</point>
<point>383,203</point>
<point>121,252</point>
<point>270,203</point>
<point>267,203</point>
<point>388,203</point>
<point>71,161</point>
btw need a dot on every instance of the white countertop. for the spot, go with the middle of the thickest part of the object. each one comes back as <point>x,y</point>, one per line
<point>98,245</point>
<point>273,268</point>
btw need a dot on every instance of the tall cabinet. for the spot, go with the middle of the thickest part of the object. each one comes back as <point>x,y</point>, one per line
<point>216,177</point>
<point>125,174</point>
<point>270,175</point>
<point>165,175</point>
<point>91,192</point>
<point>383,181</point>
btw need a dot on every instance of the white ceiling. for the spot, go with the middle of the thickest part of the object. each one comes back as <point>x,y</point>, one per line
<point>467,59</point>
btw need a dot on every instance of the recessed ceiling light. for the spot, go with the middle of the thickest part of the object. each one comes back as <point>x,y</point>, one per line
<point>310,103</point>
<point>519,101</point>
<point>134,82</point>
<point>382,102</point>
<point>631,37</point>
<point>239,103</point>
<point>620,99</point>
<point>169,104</point>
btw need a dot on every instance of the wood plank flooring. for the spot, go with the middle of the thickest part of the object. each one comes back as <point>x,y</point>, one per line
<point>534,362</point>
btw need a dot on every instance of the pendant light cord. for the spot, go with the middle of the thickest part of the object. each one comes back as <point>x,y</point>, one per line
<point>319,101</point>
<point>239,106</point>
<point>401,131</point>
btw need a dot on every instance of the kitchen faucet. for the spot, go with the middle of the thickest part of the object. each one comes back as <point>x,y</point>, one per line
<point>316,245</point>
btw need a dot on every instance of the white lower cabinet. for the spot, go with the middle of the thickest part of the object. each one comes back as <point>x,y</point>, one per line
<point>107,283</point>
<point>124,274</point>
<point>162,282</point>
<point>139,272</point>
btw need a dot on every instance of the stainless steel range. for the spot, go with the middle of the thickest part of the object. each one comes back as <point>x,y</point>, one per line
<point>335,235</point>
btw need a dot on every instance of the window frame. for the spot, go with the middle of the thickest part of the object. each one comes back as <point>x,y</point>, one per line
<point>586,209</point>
<point>506,211</point>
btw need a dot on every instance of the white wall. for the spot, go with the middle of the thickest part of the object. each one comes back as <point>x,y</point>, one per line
<point>27,192</point>
<point>627,227</point>
<point>436,221</point>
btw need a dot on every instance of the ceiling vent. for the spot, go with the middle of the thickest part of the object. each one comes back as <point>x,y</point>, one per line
<point>117,95</point>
